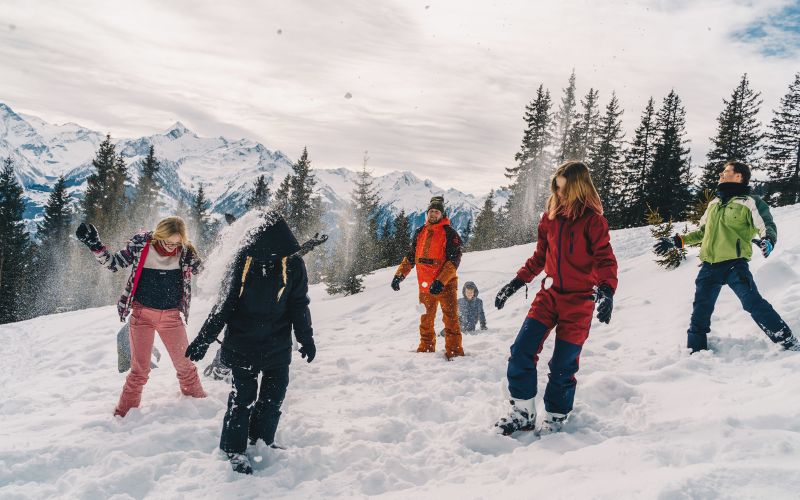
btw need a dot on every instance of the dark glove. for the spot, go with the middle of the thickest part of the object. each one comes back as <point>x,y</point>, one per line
<point>605,303</point>
<point>507,291</point>
<point>436,287</point>
<point>312,243</point>
<point>197,349</point>
<point>396,282</point>
<point>483,327</point>
<point>87,234</point>
<point>664,245</point>
<point>308,350</point>
<point>766,246</point>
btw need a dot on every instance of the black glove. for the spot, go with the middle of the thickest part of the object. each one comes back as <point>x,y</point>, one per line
<point>664,245</point>
<point>308,350</point>
<point>766,246</point>
<point>197,349</point>
<point>87,234</point>
<point>605,303</point>
<point>483,327</point>
<point>507,291</point>
<point>436,287</point>
<point>312,243</point>
<point>396,282</point>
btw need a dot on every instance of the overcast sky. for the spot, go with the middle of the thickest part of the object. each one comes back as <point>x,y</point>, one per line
<point>435,87</point>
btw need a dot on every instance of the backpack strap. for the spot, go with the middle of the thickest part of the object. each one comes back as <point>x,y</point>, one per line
<point>247,262</point>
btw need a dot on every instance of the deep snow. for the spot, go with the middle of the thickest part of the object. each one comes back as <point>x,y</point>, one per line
<point>371,417</point>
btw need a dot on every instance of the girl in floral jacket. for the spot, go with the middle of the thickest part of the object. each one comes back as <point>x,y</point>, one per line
<point>158,291</point>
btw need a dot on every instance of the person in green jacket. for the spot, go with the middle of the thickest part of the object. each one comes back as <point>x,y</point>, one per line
<point>733,220</point>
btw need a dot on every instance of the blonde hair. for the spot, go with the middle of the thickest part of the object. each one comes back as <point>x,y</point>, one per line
<point>578,193</point>
<point>173,225</point>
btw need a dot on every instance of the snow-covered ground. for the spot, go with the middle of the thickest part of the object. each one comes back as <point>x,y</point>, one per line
<point>369,417</point>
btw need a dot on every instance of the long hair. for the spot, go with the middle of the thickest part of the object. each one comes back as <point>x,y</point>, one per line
<point>173,225</point>
<point>579,192</point>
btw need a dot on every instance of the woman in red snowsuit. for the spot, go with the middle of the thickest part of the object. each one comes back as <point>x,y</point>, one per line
<point>574,250</point>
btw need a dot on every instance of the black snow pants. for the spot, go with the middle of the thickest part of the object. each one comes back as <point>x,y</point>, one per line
<point>251,417</point>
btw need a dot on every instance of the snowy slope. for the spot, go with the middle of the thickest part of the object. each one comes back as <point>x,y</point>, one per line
<point>227,168</point>
<point>371,418</point>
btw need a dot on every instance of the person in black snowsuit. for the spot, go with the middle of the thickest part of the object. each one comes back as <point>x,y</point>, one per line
<point>263,299</point>
<point>470,308</point>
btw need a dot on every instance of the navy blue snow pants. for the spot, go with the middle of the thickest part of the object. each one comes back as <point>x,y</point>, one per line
<point>736,274</point>
<point>559,394</point>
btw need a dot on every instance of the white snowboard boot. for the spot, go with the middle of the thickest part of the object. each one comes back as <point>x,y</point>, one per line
<point>553,422</point>
<point>522,417</point>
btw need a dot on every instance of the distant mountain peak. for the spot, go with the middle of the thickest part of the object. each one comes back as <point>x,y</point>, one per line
<point>178,130</point>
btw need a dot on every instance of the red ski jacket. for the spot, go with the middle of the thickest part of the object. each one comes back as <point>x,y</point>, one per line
<point>576,254</point>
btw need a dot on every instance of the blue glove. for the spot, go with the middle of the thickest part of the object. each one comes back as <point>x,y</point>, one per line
<point>766,246</point>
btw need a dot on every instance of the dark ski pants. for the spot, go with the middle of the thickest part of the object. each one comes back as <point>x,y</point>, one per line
<point>248,417</point>
<point>571,314</point>
<point>736,274</point>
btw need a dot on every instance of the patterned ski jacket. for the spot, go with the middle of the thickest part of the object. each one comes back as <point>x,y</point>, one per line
<point>134,255</point>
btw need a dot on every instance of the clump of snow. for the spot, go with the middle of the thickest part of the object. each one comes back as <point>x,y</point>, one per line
<point>370,417</point>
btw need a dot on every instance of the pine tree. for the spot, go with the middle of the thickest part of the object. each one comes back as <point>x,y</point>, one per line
<point>637,167</point>
<point>605,160</point>
<point>581,137</point>
<point>565,119</point>
<point>487,229</point>
<point>667,186</point>
<point>51,270</point>
<point>200,221</point>
<point>530,177</point>
<point>365,202</point>
<point>259,197</point>
<point>782,158</point>
<point>281,201</point>
<point>95,201</point>
<point>386,243</point>
<point>661,229</point>
<point>341,273</point>
<point>738,134</point>
<point>402,238</point>
<point>467,233</point>
<point>145,201</point>
<point>15,249</point>
<point>304,207</point>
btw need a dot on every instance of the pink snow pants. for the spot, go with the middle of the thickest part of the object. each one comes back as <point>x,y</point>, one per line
<point>144,323</point>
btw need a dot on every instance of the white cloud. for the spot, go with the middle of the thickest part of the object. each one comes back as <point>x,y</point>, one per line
<point>439,90</point>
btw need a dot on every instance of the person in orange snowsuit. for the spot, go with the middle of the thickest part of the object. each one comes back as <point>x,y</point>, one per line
<point>436,252</point>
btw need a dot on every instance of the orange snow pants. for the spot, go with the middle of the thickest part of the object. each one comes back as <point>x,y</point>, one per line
<point>452,329</point>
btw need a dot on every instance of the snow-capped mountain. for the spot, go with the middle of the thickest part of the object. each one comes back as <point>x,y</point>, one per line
<point>226,168</point>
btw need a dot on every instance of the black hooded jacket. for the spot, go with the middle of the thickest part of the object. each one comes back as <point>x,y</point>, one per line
<point>263,299</point>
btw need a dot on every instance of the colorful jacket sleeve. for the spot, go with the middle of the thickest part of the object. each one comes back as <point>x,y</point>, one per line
<point>410,259</point>
<point>605,262</point>
<point>123,258</point>
<point>452,252</point>
<point>298,301</point>
<point>762,219</point>
<point>195,263</point>
<point>226,301</point>
<point>535,263</point>
<point>696,237</point>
